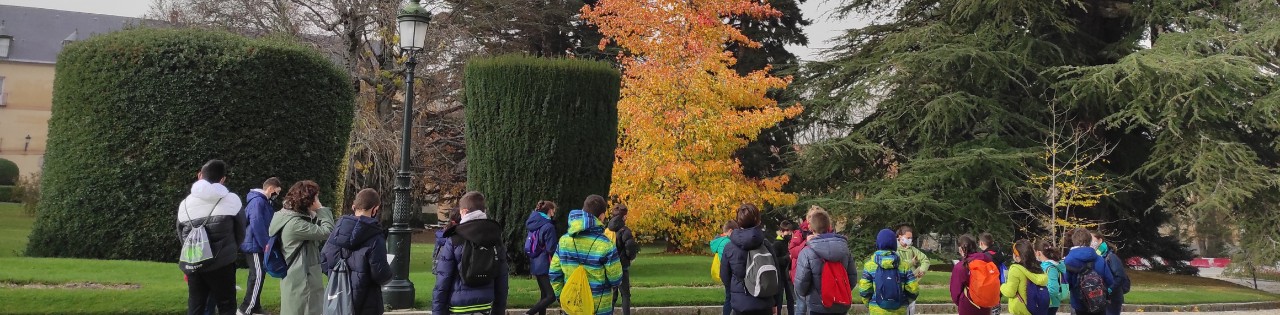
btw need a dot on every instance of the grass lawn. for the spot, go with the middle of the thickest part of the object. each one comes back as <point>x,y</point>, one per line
<point>660,280</point>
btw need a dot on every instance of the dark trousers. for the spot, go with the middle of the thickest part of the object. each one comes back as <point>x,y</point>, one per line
<point>760,312</point>
<point>1115,304</point>
<point>817,313</point>
<point>548,296</point>
<point>216,286</point>
<point>1053,310</point>
<point>252,303</point>
<point>787,295</point>
<point>624,290</point>
<point>727,310</point>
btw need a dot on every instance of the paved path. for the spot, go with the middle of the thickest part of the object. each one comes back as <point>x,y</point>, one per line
<point>1264,285</point>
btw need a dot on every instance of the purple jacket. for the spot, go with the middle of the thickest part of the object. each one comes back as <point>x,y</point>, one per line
<point>960,281</point>
<point>259,213</point>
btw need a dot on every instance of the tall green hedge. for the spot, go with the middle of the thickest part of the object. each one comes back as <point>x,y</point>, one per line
<point>136,112</point>
<point>539,129</point>
<point>8,172</point>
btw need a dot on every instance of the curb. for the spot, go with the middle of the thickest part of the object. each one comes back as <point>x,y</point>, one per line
<point>928,309</point>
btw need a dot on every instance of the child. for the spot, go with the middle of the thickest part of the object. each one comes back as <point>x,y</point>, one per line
<point>968,248</point>
<point>1078,259</point>
<point>358,239</point>
<point>782,258</point>
<point>259,212</point>
<point>905,287</point>
<point>454,217</point>
<point>216,209</point>
<point>1054,271</point>
<point>989,246</point>
<point>453,294</point>
<point>717,248</point>
<point>586,246</point>
<point>799,240</point>
<point>541,244</point>
<point>1115,267</point>
<point>627,249</point>
<point>912,257</point>
<point>1025,269</point>
<point>826,247</point>
<point>733,267</point>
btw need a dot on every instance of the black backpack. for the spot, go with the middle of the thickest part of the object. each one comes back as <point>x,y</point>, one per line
<point>1091,289</point>
<point>480,264</point>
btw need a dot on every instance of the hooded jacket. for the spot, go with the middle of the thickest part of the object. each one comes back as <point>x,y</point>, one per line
<point>1058,290</point>
<point>797,244</point>
<point>302,290</point>
<point>1116,267</point>
<point>960,281</point>
<point>809,263</point>
<point>545,230</point>
<point>361,241</point>
<point>215,208</point>
<point>1016,287</point>
<point>451,295</point>
<point>885,257</point>
<point>585,245</point>
<point>1075,261</point>
<point>733,270</point>
<point>259,212</point>
<point>626,241</point>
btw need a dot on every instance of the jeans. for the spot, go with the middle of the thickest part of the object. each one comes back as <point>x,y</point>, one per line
<point>727,310</point>
<point>802,305</point>
<point>911,308</point>
<point>624,290</point>
<point>217,286</point>
<point>548,296</point>
<point>1115,304</point>
<point>252,303</point>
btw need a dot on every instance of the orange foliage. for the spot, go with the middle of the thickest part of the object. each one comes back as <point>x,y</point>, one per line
<point>683,113</point>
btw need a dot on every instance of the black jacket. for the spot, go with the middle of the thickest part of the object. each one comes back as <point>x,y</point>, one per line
<point>362,242</point>
<point>628,249</point>
<point>218,211</point>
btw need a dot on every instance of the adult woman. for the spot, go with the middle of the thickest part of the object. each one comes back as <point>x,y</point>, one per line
<point>540,246</point>
<point>968,248</point>
<point>733,267</point>
<point>302,225</point>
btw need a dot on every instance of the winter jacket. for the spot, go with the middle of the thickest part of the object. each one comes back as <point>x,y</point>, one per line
<point>215,208</point>
<point>1058,290</point>
<point>1075,261</point>
<point>797,244</point>
<point>914,258</point>
<point>808,281</point>
<point>1016,287</point>
<point>628,249</point>
<point>1116,268</point>
<point>733,270</point>
<point>259,212</point>
<point>885,257</point>
<point>782,254</point>
<point>544,229</point>
<point>451,295</point>
<point>585,245</point>
<point>960,281</point>
<point>302,291</point>
<point>361,241</point>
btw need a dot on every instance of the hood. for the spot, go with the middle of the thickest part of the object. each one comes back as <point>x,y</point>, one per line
<point>747,239</point>
<point>1049,264</point>
<point>354,231</point>
<point>1087,258</point>
<point>537,220</point>
<point>616,223</point>
<point>830,247</point>
<point>580,221</point>
<point>1103,249</point>
<point>205,190</point>
<point>887,240</point>
<point>480,231</point>
<point>255,194</point>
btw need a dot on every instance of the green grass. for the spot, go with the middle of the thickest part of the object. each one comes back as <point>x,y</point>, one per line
<point>659,280</point>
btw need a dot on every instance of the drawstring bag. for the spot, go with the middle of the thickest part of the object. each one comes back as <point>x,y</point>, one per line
<point>195,247</point>
<point>338,300</point>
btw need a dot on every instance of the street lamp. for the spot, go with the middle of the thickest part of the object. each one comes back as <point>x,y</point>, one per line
<point>27,144</point>
<point>399,293</point>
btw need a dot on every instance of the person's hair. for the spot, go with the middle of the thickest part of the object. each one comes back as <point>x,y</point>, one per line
<point>967,244</point>
<point>272,182</point>
<point>730,225</point>
<point>301,196</point>
<point>214,171</point>
<point>987,239</point>
<point>455,216</point>
<point>1049,251</point>
<point>618,210</point>
<point>472,201</point>
<point>748,216</point>
<point>1080,237</point>
<point>1026,256</point>
<point>819,222</point>
<point>787,225</point>
<point>367,199</point>
<point>545,206</point>
<point>594,205</point>
<point>1098,235</point>
<point>904,229</point>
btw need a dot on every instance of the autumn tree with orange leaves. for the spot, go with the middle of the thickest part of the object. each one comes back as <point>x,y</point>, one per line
<point>683,113</point>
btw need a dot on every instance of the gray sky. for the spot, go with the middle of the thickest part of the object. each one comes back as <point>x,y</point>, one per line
<point>822,30</point>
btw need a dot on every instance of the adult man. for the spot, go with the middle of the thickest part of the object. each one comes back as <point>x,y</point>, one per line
<point>213,208</point>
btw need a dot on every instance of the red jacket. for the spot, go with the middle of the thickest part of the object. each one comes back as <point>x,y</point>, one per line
<point>798,243</point>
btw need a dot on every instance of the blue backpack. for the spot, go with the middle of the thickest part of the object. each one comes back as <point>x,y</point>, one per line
<point>532,247</point>
<point>273,260</point>
<point>1037,299</point>
<point>889,292</point>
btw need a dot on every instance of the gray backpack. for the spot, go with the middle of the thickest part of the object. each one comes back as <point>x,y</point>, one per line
<point>337,296</point>
<point>762,275</point>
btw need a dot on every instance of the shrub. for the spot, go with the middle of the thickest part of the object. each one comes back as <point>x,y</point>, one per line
<point>539,129</point>
<point>6,194</point>
<point>27,191</point>
<point>8,172</point>
<point>137,112</point>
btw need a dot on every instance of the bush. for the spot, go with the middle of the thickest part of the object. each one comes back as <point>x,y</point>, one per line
<point>27,191</point>
<point>137,112</point>
<point>6,194</point>
<point>539,129</point>
<point>8,173</point>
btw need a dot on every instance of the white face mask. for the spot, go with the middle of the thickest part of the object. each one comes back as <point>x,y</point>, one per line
<point>1094,244</point>
<point>905,241</point>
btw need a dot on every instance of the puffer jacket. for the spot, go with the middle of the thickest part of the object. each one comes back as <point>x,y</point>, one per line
<point>1075,262</point>
<point>1015,289</point>
<point>808,281</point>
<point>544,229</point>
<point>628,249</point>
<point>214,207</point>
<point>362,243</point>
<point>460,297</point>
<point>960,282</point>
<point>733,270</point>
<point>886,257</point>
<point>796,244</point>
<point>585,245</point>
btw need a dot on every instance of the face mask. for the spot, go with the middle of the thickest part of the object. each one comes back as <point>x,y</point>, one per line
<point>1093,244</point>
<point>906,241</point>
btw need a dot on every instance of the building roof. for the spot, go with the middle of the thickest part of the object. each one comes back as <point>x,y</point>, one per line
<point>38,34</point>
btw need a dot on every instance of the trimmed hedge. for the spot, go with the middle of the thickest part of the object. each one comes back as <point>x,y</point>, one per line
<point>6,194</point>
<point>539,129</point>
<point>137,112</point>
<point>8,172</point>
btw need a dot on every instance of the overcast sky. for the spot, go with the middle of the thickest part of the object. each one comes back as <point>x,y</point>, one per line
<point>819,33</point>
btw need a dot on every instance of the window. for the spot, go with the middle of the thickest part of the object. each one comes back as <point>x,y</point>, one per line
<point>4,96</point>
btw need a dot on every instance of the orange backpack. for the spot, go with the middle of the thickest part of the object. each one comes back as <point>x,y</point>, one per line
<point>984,284</point>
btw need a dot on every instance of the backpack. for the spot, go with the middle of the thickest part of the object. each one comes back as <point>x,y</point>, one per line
<point>575,297</point>
<point>984,284</point>
<point>888,284</point>
<point>761,278</point>
<point>338,299</point>
<point>195,246</point>
<point>273,259</point>
<point>1122,281</point>
<point>715,269</point>
<point>480,264</point>
<point>1036,300</point>
<point>836,289</point>
<point>532,246</point>
<point>1092,290</point>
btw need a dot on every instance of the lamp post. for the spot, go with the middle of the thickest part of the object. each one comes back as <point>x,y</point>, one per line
<point>26,144</point>
<point>399,293</point>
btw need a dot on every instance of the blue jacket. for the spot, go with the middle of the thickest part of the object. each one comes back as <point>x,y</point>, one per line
<point>260,212</point>
<point>733,271</point>
<point>450,292</point>
<point>545,230</point>
<point>1075,260</point>
<point>1115,267</point>
<point>362,242</point>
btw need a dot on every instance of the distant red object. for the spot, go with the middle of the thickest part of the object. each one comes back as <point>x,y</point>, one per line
<point>1210,262</point>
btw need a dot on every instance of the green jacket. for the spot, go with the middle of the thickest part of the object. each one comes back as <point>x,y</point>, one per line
<point>1016,287</point>
<point>914,259</point>
<point>302,290</point>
